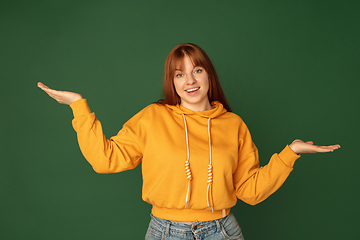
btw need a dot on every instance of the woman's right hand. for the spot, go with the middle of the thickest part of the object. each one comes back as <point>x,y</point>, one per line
<point>62,97</point>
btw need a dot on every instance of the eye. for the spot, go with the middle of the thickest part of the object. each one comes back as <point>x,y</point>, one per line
<point>199,70</point>
<point>179,75</point>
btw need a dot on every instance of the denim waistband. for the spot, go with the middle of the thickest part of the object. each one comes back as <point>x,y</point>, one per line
<point>195,227</point>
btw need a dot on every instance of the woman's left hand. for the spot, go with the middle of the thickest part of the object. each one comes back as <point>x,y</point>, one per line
<point>299,146</point>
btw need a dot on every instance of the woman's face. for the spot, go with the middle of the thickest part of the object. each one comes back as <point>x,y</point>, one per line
<point>192,86</point>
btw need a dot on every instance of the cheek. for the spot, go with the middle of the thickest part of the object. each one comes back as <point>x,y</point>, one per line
<point>177,87</point>
<point>206,83</point>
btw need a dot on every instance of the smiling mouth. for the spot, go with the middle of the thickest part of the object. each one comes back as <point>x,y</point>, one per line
<point>192,90</point>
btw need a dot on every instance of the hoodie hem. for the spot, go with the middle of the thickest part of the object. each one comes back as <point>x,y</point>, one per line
<point>188,215</point>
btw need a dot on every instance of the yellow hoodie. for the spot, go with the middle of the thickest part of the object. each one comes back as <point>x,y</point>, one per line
<point>194,164</point>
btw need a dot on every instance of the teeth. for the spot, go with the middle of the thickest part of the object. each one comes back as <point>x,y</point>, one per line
<point>192,89</point>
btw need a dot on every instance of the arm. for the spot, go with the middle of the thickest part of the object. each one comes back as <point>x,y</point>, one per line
<point>120,153</point>
<point>253,183</point>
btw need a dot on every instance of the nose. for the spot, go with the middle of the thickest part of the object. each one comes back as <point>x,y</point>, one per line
<point>190,79</point>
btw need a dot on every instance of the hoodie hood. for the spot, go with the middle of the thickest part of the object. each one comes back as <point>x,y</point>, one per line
<point>217,110</point>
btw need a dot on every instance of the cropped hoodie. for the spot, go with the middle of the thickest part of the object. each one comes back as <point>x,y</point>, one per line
<point>195,165</point>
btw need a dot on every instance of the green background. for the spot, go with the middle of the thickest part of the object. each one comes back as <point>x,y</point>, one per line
<point>290,69</point>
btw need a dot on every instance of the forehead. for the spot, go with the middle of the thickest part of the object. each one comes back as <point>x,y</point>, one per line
<point>183,62</point>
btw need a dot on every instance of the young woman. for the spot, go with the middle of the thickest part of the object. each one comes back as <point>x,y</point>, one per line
<point>197,156</point>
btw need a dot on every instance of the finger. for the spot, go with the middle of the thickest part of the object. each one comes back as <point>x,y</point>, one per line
<point>332,146</point>
<point>321,149</point>
<point>44,87</point>
<point>48,90</point>
<point>310,142</point>
<point>41,85</point>
<point>328,148</point>
<point>53,94</point>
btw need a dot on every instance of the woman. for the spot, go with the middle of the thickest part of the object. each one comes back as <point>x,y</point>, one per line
<point>197,157</point>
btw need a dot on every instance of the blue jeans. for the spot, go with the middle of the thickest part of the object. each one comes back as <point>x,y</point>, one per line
<point>224,228</point>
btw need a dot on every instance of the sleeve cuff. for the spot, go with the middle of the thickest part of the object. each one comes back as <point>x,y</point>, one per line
<point>80,108</point>
<point>288,156</point>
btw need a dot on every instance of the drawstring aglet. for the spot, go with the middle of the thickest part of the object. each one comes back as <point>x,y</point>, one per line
<point>211,209</point>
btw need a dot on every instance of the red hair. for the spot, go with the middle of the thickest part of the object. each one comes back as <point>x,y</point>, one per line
<point>198,58</point>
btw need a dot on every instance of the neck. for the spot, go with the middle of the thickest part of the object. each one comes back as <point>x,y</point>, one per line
<point>197,107</point>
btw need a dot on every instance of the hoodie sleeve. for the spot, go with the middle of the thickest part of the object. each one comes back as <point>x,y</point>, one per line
<point>253,184</point>
<point>119,153</point>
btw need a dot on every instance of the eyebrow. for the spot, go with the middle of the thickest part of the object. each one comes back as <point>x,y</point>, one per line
<point>176,69</point>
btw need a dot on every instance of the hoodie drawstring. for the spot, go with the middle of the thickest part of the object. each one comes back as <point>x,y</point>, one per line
<point>187,166</point>
<point>209,194</point>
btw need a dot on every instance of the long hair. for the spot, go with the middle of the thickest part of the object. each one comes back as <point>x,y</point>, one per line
<point>198,58</point>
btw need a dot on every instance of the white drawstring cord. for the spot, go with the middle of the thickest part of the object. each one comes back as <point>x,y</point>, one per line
<point>210,176</point>
<point>188,171</point>
<point>187,166</point>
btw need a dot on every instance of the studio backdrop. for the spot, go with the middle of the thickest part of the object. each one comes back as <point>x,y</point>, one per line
<point>290,69</point>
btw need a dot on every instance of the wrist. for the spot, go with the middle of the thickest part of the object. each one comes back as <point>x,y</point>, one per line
<point>75,98</point>
<point>293,148</point>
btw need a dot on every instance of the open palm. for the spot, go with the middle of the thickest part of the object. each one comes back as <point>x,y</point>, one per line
<point>299,146</point>
<point>62,97</point>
